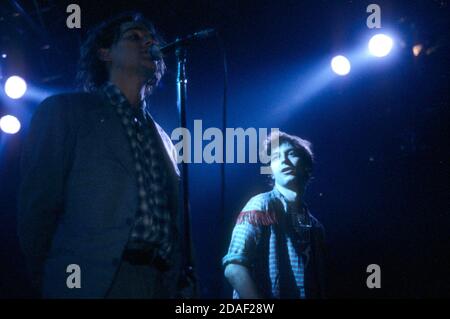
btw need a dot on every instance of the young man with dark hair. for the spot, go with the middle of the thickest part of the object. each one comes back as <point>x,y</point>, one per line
<point>277,246</point>
<point>99,178</point>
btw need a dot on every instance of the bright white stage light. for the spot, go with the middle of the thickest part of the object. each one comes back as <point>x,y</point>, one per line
<point>340,65</point>
<point>15,87</point>
<point>380,45</point>
<point>9,124</point>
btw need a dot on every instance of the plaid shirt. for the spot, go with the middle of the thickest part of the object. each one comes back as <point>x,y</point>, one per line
<point>116,97</point>
<point>265,242</point>
<point>142,228</point>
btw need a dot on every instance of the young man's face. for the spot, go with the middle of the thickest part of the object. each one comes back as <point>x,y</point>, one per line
<point>286,166</point>
<point>131,51</point>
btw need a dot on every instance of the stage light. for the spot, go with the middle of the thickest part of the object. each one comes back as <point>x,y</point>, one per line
<point>380,45</point>
<point>417,49</point>
<point>9,124</point>
<point>340,65</point>
<point>15,87</point>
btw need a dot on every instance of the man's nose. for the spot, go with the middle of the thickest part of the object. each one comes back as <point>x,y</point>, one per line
<point>148,41</point>
<point>284,159</point>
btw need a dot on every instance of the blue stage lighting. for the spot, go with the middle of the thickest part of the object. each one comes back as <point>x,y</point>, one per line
<point>340,65</point>
<point>380,45</point>
<point>15,87</point>
<point>9,124</point>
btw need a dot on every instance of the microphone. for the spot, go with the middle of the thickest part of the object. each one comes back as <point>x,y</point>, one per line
<point>157,53</point>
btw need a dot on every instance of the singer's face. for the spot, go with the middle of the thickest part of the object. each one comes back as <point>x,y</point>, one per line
<point>131,51</point>
<point>286,166</point>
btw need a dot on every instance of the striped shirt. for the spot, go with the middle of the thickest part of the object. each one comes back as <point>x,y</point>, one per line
<point>270,241</point>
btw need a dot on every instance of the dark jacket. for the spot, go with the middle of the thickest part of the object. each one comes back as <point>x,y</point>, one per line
<point>78,195</point>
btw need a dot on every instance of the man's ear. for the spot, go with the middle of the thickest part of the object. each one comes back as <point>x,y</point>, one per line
<point>104,54</point>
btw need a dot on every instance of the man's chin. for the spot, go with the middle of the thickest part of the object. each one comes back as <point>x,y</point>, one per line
<point>287,182</point>
<point>149,66</point>
<point>150,76</point>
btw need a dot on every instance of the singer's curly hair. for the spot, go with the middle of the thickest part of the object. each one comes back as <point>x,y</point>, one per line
<point>92,72</point>
<point>301,145</point>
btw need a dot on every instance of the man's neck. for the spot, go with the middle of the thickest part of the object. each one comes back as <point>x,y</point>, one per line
<point>130,86</point>
<point>290,195</point>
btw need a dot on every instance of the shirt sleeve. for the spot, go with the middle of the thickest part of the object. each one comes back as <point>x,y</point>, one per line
<point>245,236</point>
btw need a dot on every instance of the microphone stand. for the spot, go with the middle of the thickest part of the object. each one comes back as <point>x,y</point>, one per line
<point>181,59</point>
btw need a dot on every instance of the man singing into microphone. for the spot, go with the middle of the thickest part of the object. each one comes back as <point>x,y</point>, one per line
<point>277,246</point>
<point>98,202</point>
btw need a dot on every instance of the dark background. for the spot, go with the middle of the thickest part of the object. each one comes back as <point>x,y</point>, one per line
<point>379,135</point>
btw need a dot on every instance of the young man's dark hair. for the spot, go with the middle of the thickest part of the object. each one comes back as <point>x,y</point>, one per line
<point>99,179</point>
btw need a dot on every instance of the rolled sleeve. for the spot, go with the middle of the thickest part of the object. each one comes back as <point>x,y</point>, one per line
<point>243,245</point>
<point>245,237</point>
